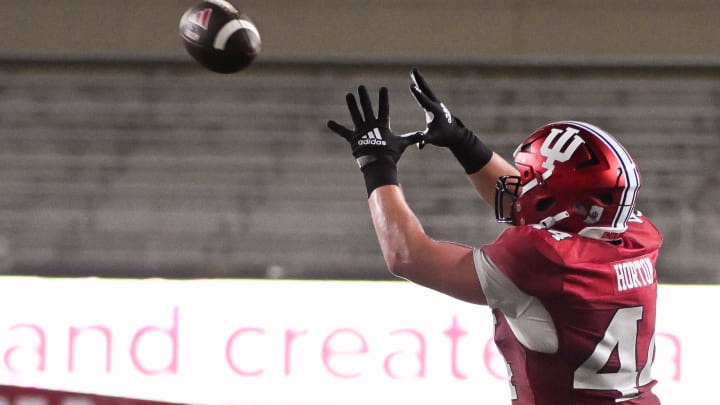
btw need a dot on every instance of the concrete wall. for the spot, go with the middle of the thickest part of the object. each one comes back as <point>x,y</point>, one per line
<point>450,29</point>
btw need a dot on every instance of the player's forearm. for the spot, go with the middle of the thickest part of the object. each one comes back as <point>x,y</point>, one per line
<point>398,230</point>
<point>411,254</point>
<point>485,179</point>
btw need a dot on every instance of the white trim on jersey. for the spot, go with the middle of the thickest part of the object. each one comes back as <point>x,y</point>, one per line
<point>528,319</point>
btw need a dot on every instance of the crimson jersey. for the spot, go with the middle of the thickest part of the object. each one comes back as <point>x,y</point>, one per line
<point>575,317</point>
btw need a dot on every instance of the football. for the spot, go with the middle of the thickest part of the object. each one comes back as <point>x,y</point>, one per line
<point>219,37</point>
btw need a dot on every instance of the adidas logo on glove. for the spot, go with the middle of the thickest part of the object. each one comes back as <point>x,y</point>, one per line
<point>372,138</point>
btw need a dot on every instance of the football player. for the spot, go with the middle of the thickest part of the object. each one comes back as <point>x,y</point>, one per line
<point>571,283</point>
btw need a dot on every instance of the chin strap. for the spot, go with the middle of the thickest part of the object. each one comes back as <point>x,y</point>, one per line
<point>554,219</point>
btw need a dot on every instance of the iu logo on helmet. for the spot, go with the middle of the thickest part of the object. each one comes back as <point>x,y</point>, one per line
<point>562,149</point>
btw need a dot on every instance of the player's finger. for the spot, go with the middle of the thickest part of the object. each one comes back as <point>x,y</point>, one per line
<point>357,118</point>
<point>406,140</point>
<point>384,107</point>
<point>422,98</point>
<point>340,130</point>
<point>419,80</point>
<point>365,103</point>
<point>412,137</point>
<point>422,142</point>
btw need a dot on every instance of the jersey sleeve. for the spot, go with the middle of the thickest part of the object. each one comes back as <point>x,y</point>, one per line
<point>499,290</point>
<point>529,320</point>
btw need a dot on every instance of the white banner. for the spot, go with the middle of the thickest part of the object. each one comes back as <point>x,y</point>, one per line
<point>293,342</point>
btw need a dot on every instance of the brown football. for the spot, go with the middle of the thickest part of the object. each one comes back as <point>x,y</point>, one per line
<point>219,37</point>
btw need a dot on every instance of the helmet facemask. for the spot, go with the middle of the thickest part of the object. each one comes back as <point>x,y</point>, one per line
<point>507,190</point>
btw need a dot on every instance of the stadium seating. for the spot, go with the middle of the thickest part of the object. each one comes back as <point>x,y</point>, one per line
<point>164,173</point>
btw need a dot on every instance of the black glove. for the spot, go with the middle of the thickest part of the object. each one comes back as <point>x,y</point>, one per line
<point>444,129</point>
<point>375,147</point>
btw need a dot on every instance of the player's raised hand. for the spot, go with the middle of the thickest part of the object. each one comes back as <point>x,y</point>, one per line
<point>444,129</point>
<point>375,147</point>
<point>372,138</point>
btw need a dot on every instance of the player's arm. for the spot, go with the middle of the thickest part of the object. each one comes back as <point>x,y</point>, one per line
<point>411,254</point>
<point>408,251</point>
<point>481,164</point>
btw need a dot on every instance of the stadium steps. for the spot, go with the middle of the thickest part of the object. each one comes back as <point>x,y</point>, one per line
<point>157,174</point>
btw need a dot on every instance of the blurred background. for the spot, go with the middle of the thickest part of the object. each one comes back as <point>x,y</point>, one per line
<point>121,157</point>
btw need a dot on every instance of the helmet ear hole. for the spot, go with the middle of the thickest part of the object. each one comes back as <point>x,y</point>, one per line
<point>605,198</point>
<point>544,203</point>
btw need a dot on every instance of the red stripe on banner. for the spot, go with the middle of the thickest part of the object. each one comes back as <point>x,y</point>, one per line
<point>23,395</point>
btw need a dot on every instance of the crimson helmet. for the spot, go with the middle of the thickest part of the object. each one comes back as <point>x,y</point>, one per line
<point>574,177</point>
